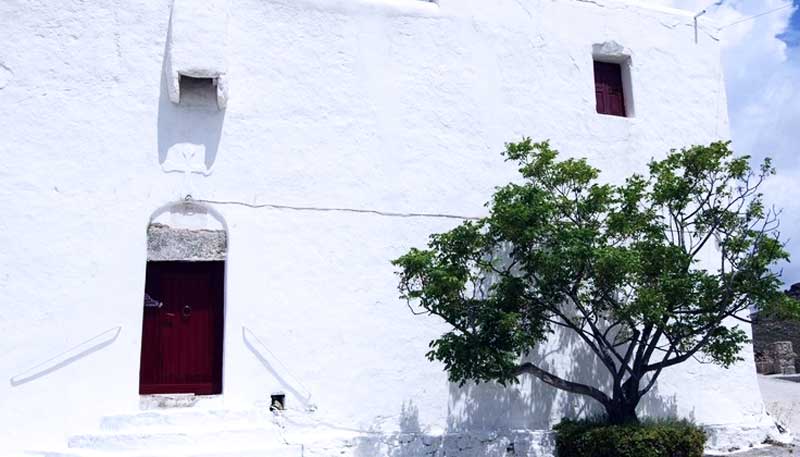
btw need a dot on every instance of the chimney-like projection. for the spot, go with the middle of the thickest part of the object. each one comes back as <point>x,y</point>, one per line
<point>196,52</point>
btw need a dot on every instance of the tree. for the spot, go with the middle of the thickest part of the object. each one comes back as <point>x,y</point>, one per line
<point>648,273</point>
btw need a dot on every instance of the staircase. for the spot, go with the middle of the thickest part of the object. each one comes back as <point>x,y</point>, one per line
<point>181,432</point>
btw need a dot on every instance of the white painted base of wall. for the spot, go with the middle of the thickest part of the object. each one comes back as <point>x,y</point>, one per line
<point>726,439</point>
<point>203,432</point>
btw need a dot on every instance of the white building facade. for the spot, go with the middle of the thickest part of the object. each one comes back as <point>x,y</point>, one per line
<point>252,166</point>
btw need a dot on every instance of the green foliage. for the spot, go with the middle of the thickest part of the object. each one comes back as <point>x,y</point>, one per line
<point>648,439</point>
<point>648,273</point>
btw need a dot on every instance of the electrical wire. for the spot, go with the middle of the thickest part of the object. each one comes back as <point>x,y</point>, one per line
<point>335,209</point>
<point>764,13</point>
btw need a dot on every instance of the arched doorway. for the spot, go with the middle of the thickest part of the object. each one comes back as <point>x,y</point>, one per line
<point>182,327</point>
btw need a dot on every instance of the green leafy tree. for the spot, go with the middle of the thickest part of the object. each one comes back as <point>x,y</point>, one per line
<point>648,273</point>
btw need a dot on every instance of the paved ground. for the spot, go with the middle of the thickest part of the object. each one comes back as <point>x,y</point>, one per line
<point>782,399</point>
<point>772,451</point>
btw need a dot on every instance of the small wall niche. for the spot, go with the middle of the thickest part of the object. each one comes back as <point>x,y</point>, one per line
<point>277,402</point>
<point>197,91</point>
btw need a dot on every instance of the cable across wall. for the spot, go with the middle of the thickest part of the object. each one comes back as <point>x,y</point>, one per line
<point>334,209</point>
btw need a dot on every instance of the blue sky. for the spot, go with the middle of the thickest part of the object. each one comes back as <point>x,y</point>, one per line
<point>792,35</point>
<point>764,106</point>
<point>761,57</point>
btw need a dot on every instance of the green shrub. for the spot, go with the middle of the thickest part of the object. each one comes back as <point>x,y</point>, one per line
<point>593,438</point>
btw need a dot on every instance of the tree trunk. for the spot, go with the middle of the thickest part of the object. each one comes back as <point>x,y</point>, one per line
<point>622,411</point>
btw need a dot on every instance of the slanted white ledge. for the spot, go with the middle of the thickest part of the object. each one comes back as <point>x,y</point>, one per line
<point>196,46</point>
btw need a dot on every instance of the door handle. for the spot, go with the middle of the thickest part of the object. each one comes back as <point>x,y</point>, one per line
<point>187,311</point>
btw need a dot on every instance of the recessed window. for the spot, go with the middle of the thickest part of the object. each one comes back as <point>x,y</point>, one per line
<point>609,88</point>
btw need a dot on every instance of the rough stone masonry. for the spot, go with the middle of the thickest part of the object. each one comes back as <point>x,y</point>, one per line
<point>775,340</point>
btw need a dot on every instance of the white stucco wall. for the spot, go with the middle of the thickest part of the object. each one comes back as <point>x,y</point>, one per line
<point>389,105</point>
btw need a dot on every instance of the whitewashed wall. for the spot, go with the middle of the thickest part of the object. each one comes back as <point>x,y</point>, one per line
<point>391,105</point>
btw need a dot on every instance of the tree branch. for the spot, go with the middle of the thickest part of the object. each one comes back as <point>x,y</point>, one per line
<point>559,383</point>
<point>654,377</point>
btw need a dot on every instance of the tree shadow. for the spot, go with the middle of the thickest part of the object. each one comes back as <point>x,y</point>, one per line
<point>657,406</point>
<point>412,441</point>
<point>189,133</point>
<point>409,441</point>
<point>532,404</point>
<point>409,418</point>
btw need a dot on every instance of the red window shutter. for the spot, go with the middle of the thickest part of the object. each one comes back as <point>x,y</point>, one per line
<point>600,95</point>
<point>608,88</point>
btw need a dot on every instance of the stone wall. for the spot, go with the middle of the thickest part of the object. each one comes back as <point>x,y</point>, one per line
<point>168,243</point>
<point>776,358</point>
<point>775,340</point>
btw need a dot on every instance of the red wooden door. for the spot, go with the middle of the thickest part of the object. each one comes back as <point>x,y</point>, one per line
<point>182,328</point>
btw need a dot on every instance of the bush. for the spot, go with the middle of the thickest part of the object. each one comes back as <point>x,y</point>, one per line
<point>593,438</point>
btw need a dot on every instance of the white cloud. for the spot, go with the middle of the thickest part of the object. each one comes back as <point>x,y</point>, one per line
<point>763,82</point>
<point>763,86</point>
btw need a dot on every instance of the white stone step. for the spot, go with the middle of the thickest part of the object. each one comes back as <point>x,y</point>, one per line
<point>185,419</point>
<point>197,438</point>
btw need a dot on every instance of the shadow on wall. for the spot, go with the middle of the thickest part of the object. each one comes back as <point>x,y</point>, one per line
<point>534,405</point>
<point>409,418</point>
<point>276,368</point>
<point>188,133</point>
<point>409,441</point>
